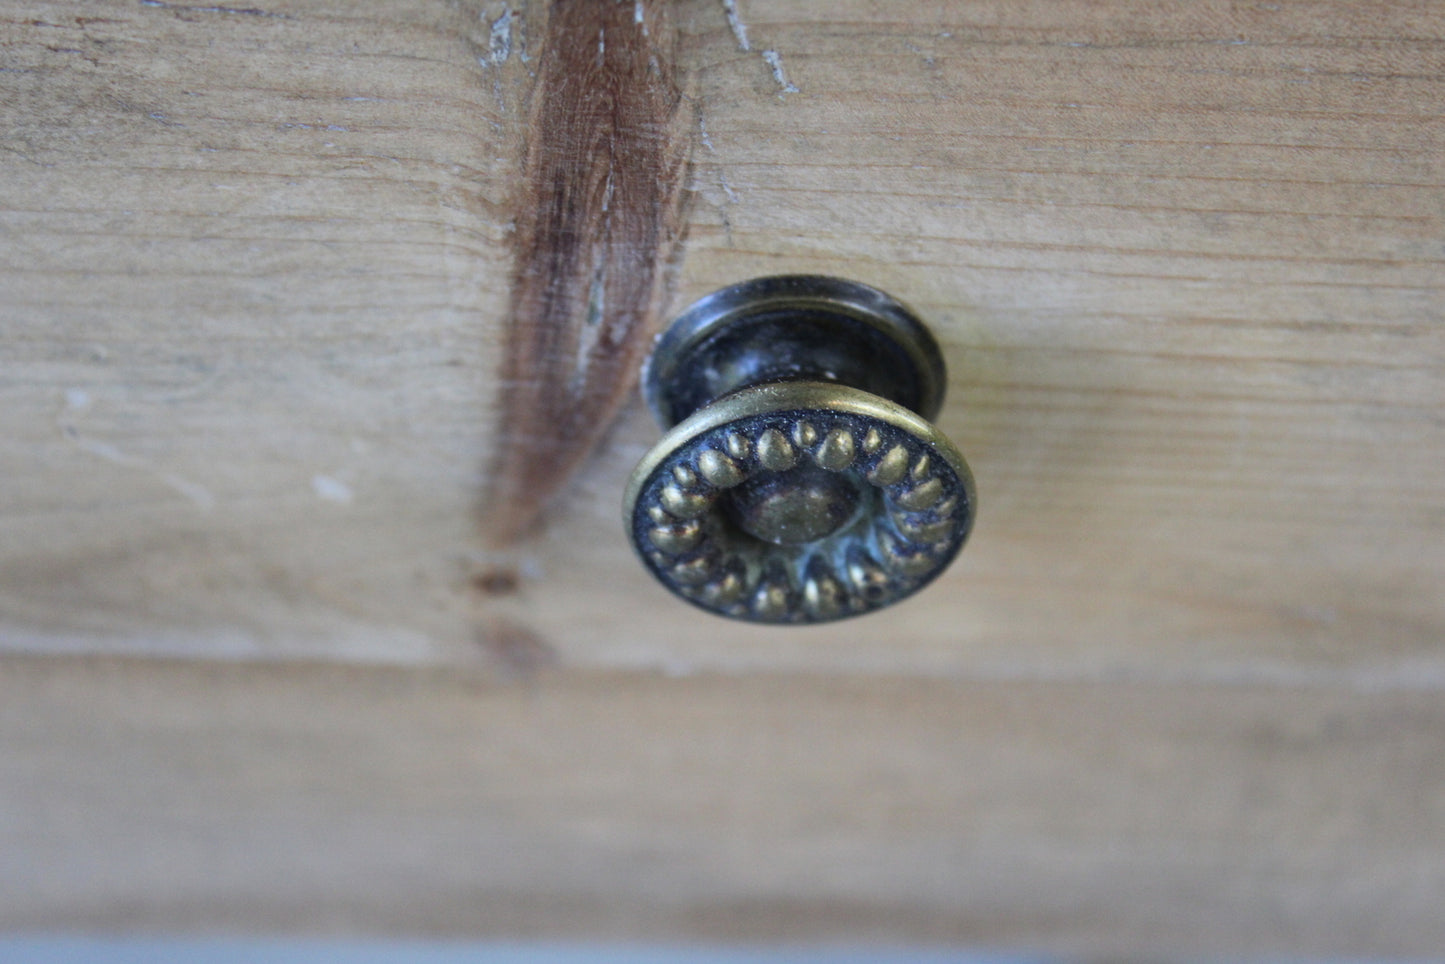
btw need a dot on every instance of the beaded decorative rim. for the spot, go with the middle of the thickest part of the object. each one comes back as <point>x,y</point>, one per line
<point>913,491</point>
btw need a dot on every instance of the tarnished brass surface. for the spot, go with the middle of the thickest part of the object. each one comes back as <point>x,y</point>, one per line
<point>787,493</point>
<point>909,504</point>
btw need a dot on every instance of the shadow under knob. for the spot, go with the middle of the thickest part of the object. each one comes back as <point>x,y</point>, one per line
<point>800,480</point>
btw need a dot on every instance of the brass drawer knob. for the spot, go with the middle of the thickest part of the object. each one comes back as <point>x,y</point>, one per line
<point>800,480</point>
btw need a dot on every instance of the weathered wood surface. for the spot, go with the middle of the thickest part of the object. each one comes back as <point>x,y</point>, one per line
<point>258,268</point>
<point>1099,820</point>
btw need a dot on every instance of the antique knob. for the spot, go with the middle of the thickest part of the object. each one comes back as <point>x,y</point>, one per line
<point>800,480</point>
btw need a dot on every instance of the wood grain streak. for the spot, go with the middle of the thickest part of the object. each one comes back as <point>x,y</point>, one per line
<point>598,221</point>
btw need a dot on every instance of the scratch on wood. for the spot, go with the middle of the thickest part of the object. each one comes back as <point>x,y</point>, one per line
<point>499,40</point>
<point>77,404</point>
<point>774,60</point>
<point>740,30</point>
<point>197,493</point>
<point>598,222</point>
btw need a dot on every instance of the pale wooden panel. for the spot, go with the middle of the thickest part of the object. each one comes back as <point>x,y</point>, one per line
<point>1097,819</point>
<point>1183,267</point>
<point>253,277</point>
<point>1182,690</point>
<point>1184,259</point>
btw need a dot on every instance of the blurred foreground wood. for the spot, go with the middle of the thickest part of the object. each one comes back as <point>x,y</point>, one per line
<point>1093,819</point>
<point>264,665</point>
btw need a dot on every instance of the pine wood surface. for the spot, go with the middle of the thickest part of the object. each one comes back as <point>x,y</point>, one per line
<point>1095,820</point>
<point>259,289</point>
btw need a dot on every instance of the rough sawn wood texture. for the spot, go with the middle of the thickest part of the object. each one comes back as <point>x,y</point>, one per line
<point>259,274</point>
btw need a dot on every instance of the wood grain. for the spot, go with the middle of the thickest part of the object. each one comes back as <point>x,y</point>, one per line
<point>1092,820</point>
<point>598,222</point>
<point>259,273</point>
<point>1184,266</point>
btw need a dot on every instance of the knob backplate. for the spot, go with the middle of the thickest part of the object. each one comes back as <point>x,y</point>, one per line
<point>794,328</point>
